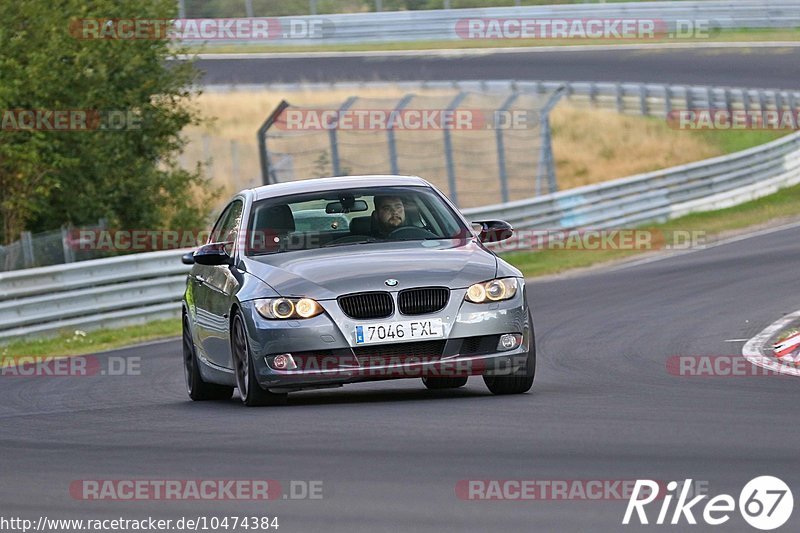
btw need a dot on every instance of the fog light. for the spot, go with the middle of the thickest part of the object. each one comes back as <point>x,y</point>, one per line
<point>283,361</point>
<point>509,341</point>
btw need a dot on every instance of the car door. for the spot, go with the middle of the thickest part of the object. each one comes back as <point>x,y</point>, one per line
<point>215,287</point>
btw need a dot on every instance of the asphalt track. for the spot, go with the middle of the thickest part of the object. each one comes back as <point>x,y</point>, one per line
<point>389,455</point>
<point>769,68</point>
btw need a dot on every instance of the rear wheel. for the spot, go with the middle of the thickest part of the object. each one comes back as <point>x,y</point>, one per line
<point>198,389</point>
<point>249,390</point>
<point>436,383</point>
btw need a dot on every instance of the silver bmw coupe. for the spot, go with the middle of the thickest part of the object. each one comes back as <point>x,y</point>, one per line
<point>324,282</point>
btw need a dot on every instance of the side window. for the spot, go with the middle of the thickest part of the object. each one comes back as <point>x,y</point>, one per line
<point>227,227</point>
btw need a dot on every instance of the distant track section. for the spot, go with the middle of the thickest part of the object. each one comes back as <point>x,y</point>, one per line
<point>758,67</point>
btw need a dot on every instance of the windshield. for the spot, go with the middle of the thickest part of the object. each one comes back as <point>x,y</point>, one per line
<point>353,216</point>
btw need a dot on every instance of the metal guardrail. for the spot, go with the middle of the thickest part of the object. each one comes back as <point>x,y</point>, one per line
<point>652,99</point>
<point>659,196</point>
<point>136,288</point>
<point>441,24</point>
<point>108,292</point>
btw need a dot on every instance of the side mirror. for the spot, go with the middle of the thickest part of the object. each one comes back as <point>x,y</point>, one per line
<point>494,230</point>
<point>187,259</point>
<point>213,254</point>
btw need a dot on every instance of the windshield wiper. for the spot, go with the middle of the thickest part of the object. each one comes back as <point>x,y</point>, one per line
<point>363,241</point>
<point>256,254</point>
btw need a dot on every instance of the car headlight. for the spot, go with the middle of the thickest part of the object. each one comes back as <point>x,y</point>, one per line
<point>286,308</point>
<point>492,291</point>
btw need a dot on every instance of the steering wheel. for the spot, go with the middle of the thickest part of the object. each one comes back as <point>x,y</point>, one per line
<point>412,232</point>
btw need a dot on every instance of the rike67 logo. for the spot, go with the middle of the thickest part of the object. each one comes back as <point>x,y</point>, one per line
<point>765,503</point>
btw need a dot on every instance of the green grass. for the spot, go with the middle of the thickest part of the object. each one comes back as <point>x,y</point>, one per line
<point>80,343</point>
<point>729,141</point>
<point>711,224</point>
<point>743,35</point>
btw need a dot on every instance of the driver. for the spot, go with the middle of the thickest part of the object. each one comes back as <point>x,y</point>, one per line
<point>389,214</point>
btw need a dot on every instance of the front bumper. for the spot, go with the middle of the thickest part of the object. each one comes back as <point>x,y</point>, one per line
<point>325,349</point>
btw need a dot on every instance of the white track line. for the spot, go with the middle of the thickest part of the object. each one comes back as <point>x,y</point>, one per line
<point>754,350</point>
<point>457,52</point>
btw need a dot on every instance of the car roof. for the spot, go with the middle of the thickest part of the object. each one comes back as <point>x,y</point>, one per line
<point>341,182</point>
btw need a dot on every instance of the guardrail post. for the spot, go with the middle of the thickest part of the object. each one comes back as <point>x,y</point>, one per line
<point>448,152</point>
<point>761,101</point>
<point>710,98</point>
<point>778,101</point>
<point>390,134</point>
<point>728,102</point>
<point>643,100</point>
<point>689,97</point>
<point>667,100</point>
<point>263,155</point>
<point>792,101</point>
<point>546,165</point>
<point>620,103</point>
<point>593,94</point>
<point>26,241</point>
<point>332,131</point>
<point>69,253</point>
<point>501,149</point>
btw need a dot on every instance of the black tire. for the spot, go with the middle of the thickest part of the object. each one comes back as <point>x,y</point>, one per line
<point>437,383</point>
<point>250,391</point>
<point>508,384</point>
<point>516,384</point>
<point>198,389</point>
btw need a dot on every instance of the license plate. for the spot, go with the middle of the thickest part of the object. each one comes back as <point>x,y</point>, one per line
<point>409,330</point>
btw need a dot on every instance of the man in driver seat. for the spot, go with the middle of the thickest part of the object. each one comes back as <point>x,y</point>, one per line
<point>389,215</point>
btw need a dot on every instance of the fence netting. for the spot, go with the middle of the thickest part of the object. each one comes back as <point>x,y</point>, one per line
<point>479,148</point>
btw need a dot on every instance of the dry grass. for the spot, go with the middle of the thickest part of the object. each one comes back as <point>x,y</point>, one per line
<point>590,146</point>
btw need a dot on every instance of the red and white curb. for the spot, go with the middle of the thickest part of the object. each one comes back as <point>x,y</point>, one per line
<point>758,351</point>
<point>785,349</point>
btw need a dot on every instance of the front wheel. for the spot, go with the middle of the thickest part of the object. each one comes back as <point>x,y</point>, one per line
<point>250,391</point>
<point>508,384</point>
<point>516,384</point>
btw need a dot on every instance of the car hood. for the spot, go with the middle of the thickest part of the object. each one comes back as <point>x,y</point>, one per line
<point>327,273</point>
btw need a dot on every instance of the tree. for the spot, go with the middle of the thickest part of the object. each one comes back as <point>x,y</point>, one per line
<point>131,176</point>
